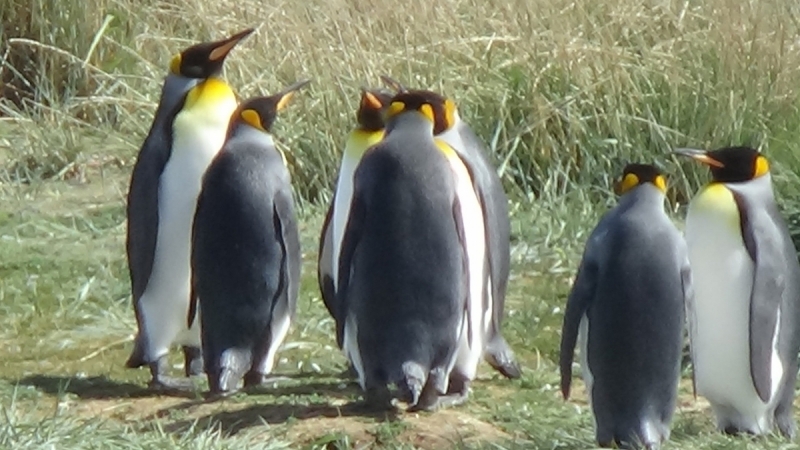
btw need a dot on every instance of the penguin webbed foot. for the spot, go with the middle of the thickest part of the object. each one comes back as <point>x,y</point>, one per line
<point>254,379</point>
<point>500,356</point>
<point>160,382</point>
<point>192,361</point>
<point>784,417</point>
<point>441,393</point>
<point>378,398</point>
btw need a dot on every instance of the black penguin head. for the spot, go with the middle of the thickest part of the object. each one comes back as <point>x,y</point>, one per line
<point>260,112</point>
<point>730,164</point>
<point>637,174</point>
<point>205,60</point>
<point>372,108</point>
<point>439,110</point>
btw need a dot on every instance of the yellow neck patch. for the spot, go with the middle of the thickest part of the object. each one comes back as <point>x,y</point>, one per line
<point>762,167</point>
<point>449,113</point>
<point>360,140</point>
<point>251,117</point>
<point>175,64</point>
<point>208,93</point>
<point>631,180</point>
<point>395,108</point>
<point>661,183</point>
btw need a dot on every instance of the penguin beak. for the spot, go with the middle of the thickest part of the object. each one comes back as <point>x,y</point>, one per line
<point>699,155</point>
<point>220,49</point>
<point>288,93</point>
<point>394,84</point>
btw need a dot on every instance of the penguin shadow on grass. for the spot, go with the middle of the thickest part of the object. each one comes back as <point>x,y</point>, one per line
<point>88,388</point>
<point>231,421</point>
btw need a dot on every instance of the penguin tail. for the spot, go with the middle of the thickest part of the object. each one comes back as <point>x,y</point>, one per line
<point>232,365</point>
<point>136,359</point>
<point>415,377</point>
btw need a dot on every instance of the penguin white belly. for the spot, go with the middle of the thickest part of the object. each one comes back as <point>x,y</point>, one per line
<point>165,301</point>
<point>341,209</point>
<point>722,278</point>
<point>472,342</point>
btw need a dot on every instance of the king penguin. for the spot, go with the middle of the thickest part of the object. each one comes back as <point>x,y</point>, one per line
<point>188,130</point>
<point>744,320</point>
<point>245,249</point>
<point>454,131</point>
<point>412,279</point>
<point>368,132</point>
<point>626,308</point>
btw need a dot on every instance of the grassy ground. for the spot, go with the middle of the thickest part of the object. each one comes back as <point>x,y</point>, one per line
<point>564,93</point>
<point>68,324</point>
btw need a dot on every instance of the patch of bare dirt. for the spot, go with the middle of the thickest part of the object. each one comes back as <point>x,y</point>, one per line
<point>304,423</point>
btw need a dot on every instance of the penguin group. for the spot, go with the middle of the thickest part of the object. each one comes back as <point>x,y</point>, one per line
<point>414,253</point>
<point>732,279</point>
<point>414,260</point>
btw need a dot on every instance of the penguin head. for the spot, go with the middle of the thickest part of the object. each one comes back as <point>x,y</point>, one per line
<point>371,109</point>
<point>440,111</point>
<point>638,174</point>
<point>205,60</point>
<point>730,164</point>
<point>260,112</point>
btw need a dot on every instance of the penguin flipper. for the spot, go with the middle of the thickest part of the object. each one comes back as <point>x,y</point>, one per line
<point>325,262</point>
<point>494,204</point>
<point>498,352</point>
<point>142,229</point>
<point>352,235</point>
<point>763,242</point>
<point>578,302</point>
<point>286,302</point>
<point>193,300</point>
<point>688,299</point>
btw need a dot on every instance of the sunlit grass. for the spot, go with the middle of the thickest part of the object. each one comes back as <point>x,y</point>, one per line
<point>564,93</point>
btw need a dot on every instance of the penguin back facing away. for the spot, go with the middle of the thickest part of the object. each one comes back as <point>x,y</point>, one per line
<point>402,277</point>
<point>246,251</point>
<point>626,308</point>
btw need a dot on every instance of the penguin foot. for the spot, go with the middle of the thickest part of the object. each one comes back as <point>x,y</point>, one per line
<point>732,430</point>
<point>378,398</point>
<point>136,358</point>
<point>192,361</point>
<point>163,383</point>
<point>786,425</point>
<point>415,379</point>
<point>500,356</point>
<point>170,384</point>
<point>223,381</point>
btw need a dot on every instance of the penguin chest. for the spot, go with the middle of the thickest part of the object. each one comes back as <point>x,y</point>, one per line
<point>722,272</point>
<point>195,143</point>
<point>358,142</point>
<point>479,302</point>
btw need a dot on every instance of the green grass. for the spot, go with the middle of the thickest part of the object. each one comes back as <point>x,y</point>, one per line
<point>68,324</point>
<point>563,92</point>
